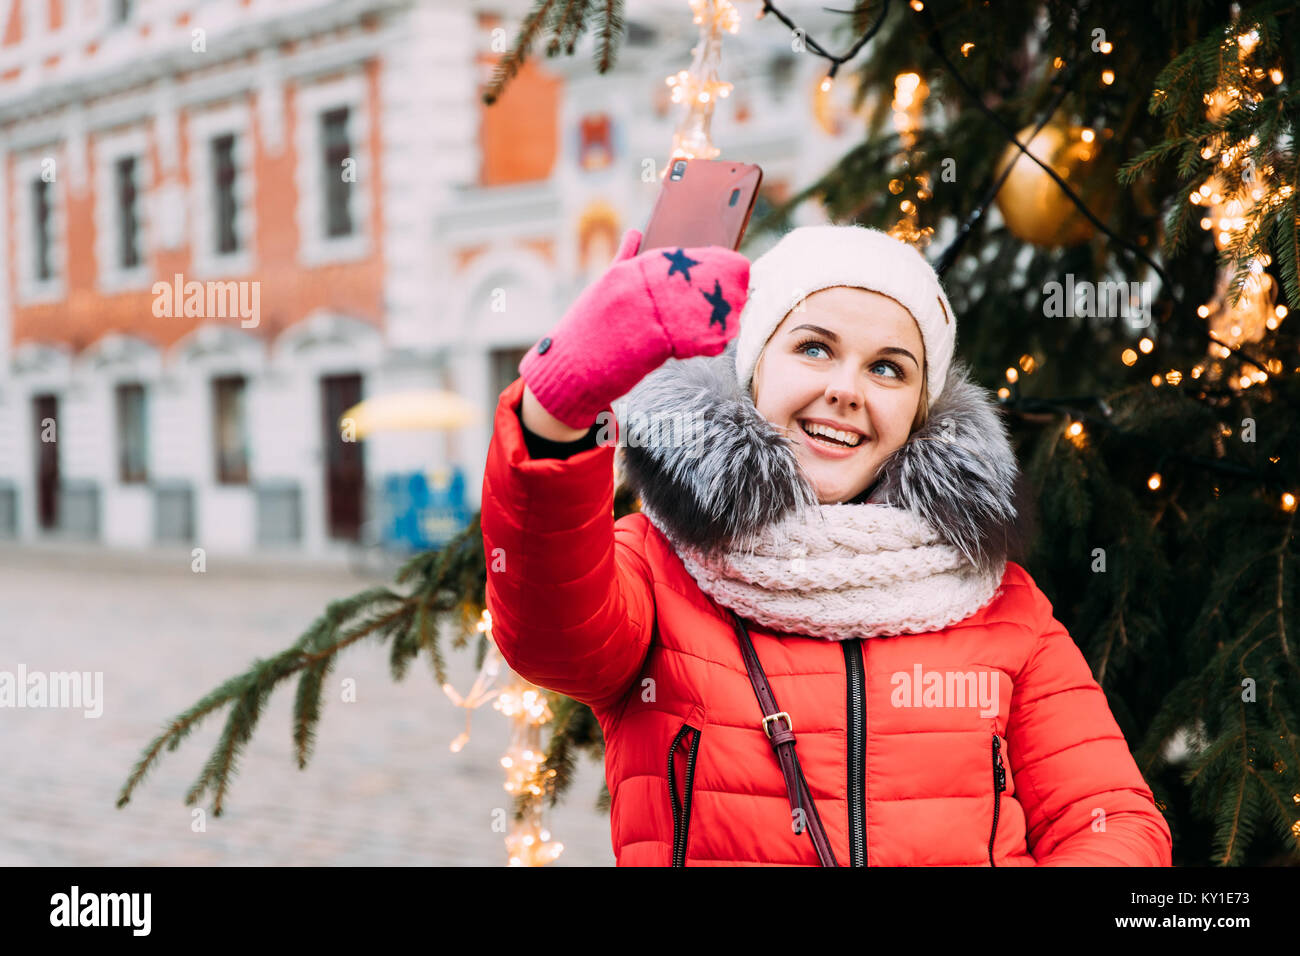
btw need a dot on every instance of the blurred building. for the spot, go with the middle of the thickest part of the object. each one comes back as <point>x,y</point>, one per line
<point>228,221</point>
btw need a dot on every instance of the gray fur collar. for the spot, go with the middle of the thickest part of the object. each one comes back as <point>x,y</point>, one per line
<point>728,474</point>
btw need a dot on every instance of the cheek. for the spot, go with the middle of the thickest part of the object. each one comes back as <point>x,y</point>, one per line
<point>782,390</point>
<point>893,412</point>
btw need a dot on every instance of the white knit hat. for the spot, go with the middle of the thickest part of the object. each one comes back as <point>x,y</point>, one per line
<point>811,258</point>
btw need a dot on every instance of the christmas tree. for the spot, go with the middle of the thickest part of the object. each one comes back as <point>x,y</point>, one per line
<point>1127,302</point>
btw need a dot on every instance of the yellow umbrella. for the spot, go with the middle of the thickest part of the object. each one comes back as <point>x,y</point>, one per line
<point>408,411</point>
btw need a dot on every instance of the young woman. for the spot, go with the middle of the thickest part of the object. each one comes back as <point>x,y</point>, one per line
<point>817,480</point>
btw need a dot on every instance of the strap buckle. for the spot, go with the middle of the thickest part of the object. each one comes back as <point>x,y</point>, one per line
<point>768,730</point>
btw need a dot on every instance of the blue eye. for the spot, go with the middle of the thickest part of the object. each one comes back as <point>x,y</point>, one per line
<point>802,347</point>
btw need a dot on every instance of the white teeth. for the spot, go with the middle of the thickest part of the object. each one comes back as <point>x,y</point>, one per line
<point>849,438</point>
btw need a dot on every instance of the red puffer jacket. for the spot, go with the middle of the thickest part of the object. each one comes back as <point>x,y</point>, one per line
<point>605,612</point>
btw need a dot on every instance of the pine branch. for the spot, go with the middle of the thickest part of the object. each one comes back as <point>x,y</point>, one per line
<point>444,582</point>
<point>510,64</point>
<point>609,22</point>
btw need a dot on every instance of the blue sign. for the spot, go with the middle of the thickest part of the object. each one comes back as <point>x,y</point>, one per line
<point>424,510</point>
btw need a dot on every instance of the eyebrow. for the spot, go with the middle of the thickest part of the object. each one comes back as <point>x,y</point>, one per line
<point>888,349</point>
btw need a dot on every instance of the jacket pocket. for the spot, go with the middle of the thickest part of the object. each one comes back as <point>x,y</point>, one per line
<point>681,783</point>
<point>999,784</point>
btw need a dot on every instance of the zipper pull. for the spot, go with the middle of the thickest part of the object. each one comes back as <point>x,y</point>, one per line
<point>999,771</point>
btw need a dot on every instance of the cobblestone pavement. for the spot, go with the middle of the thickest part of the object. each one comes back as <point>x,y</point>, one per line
<point>382,787</point>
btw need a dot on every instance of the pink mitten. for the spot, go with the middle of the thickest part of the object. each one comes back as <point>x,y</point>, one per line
<point>645,309</point>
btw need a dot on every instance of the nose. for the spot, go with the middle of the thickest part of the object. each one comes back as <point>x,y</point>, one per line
<point>844,394</point>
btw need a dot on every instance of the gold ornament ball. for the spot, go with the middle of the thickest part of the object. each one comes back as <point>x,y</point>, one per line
<point>1032,204</point>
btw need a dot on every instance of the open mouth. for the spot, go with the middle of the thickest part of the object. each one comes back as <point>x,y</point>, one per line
<point>830,437</point>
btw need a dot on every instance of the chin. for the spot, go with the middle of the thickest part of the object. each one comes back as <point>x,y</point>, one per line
<point>835,490</point>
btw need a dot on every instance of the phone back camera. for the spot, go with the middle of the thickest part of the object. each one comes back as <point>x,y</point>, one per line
<point>679,170</point>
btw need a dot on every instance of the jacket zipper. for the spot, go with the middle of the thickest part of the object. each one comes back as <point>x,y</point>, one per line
<point>857,725</point>
<point>999,784</point>
<point>682,807</point>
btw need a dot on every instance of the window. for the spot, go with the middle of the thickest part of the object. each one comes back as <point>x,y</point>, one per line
<point>40,228</point>
<point>223,181</point>
<point>334,150</point>
<point>230,429</point>
<point>223,190</point>
<point>331,133</point>
<point>41,201</point>
<point>122,222</point>
<point>505,369</point>
<point>781,75</point>
<point>127,214</point>
<point>132,449</point>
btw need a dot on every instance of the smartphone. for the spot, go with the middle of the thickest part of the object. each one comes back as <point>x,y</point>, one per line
<point>703,202</point>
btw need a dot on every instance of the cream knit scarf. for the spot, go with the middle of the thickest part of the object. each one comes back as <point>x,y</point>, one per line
<point>864,570</point>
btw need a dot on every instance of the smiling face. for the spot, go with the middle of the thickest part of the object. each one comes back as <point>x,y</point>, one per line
<point>853,360</point>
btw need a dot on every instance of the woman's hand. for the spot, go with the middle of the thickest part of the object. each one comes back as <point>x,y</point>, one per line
<point>645,309</point>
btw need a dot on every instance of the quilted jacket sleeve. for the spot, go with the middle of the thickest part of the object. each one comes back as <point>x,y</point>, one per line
<point>570,595</point>
<point>1085,801</point>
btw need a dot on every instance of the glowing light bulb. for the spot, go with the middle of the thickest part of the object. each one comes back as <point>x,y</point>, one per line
<point>1129,357</point>
<point>1154,481</point>
<point>1146,345</point>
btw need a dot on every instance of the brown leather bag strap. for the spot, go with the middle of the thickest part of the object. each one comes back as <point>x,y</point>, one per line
<point>780,731</point>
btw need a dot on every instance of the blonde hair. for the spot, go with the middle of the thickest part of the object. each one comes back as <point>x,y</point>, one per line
<point>923,409</point>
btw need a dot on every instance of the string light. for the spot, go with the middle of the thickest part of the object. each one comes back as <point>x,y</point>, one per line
<point>1128,357</point>
<point>910,91</point>
<point>812,46</point>
<point>699,87</point>
<point>1012,375</point>
<point>529,842</point>
<point>1154,481</point>
<point>1288,502</point>
<point>1146,345</point>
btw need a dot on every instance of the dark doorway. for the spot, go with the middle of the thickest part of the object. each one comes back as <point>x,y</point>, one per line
<point>345,466</point>
<point>45,409</point>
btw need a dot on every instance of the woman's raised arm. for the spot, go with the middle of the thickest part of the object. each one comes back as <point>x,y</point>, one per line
<point>571,596</point>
